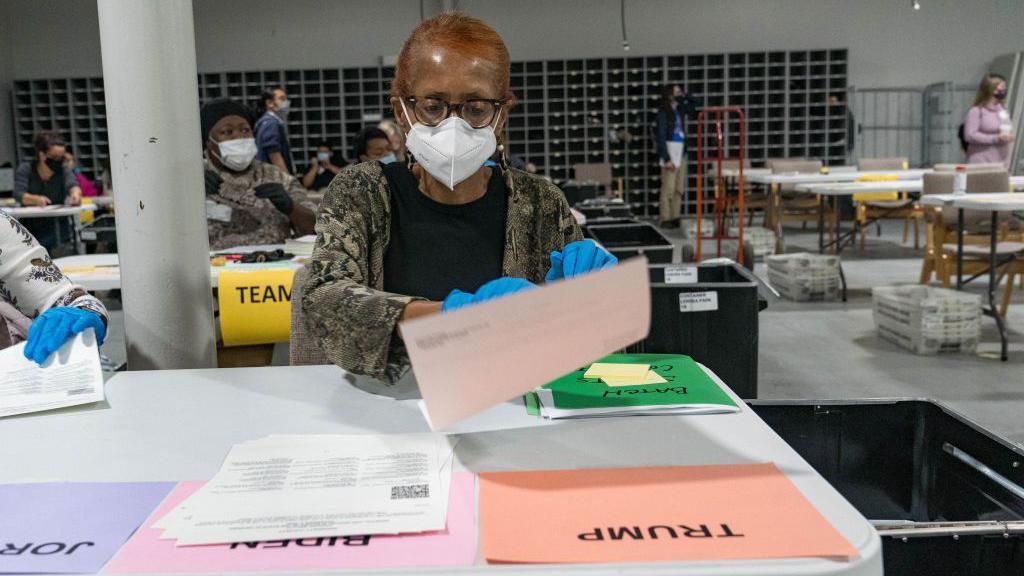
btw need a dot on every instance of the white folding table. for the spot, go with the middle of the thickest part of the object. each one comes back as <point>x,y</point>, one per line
<point>774,181</point>
<point>994,203</point>
<point>179,425</point>
<point>95,272</point>
<point>55,211</point>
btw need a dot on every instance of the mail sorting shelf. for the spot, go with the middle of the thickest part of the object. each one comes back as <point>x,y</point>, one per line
<point>567,113</point>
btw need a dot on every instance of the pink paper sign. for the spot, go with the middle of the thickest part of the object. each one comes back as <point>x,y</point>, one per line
<point>456,546</point>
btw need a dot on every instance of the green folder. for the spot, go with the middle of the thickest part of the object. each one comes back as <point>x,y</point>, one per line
<point>688,390</point>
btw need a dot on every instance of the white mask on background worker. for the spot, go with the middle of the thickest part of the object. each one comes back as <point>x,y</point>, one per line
<point>237,154</point>
<point>283,107</point>
<point>229,135</point>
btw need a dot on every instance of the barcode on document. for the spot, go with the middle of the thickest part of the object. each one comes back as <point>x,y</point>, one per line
<point>410,491</point>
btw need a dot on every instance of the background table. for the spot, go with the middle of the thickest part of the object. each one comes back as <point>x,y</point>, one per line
<point>995,203</point>
<point>101,271</point>
<point>55,211</point>
<point>179,425</point>
<point>773,215</point>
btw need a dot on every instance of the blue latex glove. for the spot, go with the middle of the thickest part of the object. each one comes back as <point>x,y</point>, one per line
<point>489,291</point>
<point>578,258</point>
<point>55,326</point>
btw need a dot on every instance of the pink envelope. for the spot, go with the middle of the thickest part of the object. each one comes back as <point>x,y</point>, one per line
<point>456,546</point>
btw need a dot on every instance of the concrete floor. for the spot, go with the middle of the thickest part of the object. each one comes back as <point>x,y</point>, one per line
<point>830,350</point>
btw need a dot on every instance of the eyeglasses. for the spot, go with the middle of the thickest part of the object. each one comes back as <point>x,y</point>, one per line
<point>477,112</point>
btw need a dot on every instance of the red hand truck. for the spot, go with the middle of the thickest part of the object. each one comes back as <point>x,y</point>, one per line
<point>721,193</point>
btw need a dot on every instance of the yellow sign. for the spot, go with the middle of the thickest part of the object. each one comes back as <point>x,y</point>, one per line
<point>255,306</point>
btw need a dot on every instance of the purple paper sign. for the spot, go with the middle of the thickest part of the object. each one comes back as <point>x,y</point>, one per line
<point>70,527</point>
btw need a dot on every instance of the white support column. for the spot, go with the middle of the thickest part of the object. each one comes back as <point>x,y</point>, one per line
<point>149,74</point>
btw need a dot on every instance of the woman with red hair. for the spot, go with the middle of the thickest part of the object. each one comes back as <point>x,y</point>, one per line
<point>444,230</point>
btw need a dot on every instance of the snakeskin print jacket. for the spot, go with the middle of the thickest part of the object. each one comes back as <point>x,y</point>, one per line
<point>239,217</point>
<point>343,301</point>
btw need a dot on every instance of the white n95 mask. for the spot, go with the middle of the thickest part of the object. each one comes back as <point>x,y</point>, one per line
<point>451,151</point>
<point>237,154</point>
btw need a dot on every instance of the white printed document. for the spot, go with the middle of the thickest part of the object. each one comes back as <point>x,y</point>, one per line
<point>71,376</point>
<point>675,152</point>
<point>476,357</point>
<point>309,486</point>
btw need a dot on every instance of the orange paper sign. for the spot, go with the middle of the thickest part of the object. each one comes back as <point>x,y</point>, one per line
<point>672,513</point>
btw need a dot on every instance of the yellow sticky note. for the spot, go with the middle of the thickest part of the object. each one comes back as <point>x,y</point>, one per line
<point>602,369</point>
<point>651,377</point>
<point>255,306</point>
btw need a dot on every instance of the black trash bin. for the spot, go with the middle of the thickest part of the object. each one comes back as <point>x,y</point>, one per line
<point>945,494</point>
<point>579,191</point>
<point>628,240</point>
<point>597,208</point>
<point>101,231</point>
<point>713,320</point>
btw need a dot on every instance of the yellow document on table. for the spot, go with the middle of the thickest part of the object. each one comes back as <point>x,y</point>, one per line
<point>617,371</point>
<point>651,377</point>
<point>255,307</point>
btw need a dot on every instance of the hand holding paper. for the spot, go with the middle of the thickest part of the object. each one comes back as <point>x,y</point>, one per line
<point>472,359</point>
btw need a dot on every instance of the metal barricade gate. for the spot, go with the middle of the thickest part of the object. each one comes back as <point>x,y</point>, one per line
<point>917,122</point>
<point>889,122</point>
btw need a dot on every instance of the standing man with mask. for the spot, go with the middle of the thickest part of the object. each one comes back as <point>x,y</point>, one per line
<point>272,130</point>
<point>247,201</point>
<point>45,180</point>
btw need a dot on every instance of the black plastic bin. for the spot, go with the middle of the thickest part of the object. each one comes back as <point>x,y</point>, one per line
<point>580,191</point>
<point>724,338</point>
<point>945,494</point>
<point>628,240</point>
<point>102,230</point>
<point>598,211</point>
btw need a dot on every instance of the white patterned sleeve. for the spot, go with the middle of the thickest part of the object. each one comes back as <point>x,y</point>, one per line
<point>30,281</point>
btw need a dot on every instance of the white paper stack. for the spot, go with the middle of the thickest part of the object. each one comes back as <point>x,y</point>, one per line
<point>70,376</point>
<point>309,486</point>
<point>301,246</point>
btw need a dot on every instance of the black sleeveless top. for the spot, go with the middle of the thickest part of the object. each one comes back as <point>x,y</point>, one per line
<point>436,248</point>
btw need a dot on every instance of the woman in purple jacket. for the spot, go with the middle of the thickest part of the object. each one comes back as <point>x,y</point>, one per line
<point>987,128</point>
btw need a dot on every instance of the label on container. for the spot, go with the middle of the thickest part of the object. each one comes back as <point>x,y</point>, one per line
<point>680,274</point>
<point>698,302</point>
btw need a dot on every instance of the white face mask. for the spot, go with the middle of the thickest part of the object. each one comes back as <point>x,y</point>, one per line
<point>323,156</point>
<point>237,154</point>
<point>283,107</point>
<point>451,151</point>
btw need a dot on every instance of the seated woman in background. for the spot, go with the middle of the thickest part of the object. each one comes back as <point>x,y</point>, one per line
<point>372,144</point>
<point>397,241</point>
<point>323,167</point>
<point>37,302</point>
<point>88,188</point>
<point>45,180</point>
<point>987,128</point>
<point>247,201</point>
<point>395,137</point>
